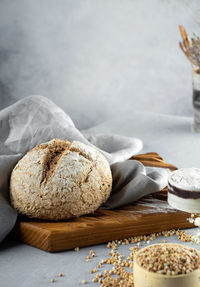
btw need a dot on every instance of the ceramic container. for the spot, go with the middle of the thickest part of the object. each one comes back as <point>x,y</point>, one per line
<point>144,278</point>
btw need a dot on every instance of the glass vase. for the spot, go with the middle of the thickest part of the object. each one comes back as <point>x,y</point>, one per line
<point>196,101</point>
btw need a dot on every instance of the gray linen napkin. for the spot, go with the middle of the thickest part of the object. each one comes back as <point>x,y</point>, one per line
<point>36,119</point>
<point>131,181</point>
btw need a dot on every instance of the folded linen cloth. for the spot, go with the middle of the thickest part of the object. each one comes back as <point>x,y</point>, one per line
<point>132,180</point>
<point>36,119</point>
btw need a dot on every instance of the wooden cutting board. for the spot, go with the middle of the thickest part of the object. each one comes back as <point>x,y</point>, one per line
<point>148,215</point>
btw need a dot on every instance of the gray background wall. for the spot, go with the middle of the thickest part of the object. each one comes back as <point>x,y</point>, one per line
<point>97,58</point>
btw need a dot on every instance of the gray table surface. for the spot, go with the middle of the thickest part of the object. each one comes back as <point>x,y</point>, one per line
<point>24,266</point>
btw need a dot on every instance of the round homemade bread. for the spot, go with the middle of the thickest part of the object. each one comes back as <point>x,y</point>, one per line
<point>58,180</point>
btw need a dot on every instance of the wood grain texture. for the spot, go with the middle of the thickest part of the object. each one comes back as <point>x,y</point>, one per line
<point>150,214</point>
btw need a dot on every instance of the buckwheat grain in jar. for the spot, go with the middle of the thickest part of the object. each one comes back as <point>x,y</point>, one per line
<point>167,265</point>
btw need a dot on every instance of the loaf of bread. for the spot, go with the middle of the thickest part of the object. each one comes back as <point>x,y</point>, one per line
<point>58,180</point>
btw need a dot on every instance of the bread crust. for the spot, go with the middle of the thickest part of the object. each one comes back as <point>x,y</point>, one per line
<point>59,180</point>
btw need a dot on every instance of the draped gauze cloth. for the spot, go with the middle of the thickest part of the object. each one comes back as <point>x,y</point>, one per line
<point>35,119</point>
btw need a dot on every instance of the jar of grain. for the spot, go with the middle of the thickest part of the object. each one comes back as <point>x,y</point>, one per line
<point>167,265</point>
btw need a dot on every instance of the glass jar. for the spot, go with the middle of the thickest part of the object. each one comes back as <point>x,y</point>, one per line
<point>196,100</point>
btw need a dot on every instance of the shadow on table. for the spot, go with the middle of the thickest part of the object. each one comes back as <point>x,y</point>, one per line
<point>8,244</point>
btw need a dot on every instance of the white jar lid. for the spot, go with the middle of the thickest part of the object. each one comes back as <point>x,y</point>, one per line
<point>187,179</point>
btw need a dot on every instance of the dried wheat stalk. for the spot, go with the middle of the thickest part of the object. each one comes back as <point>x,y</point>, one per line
<point>191,48</point>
